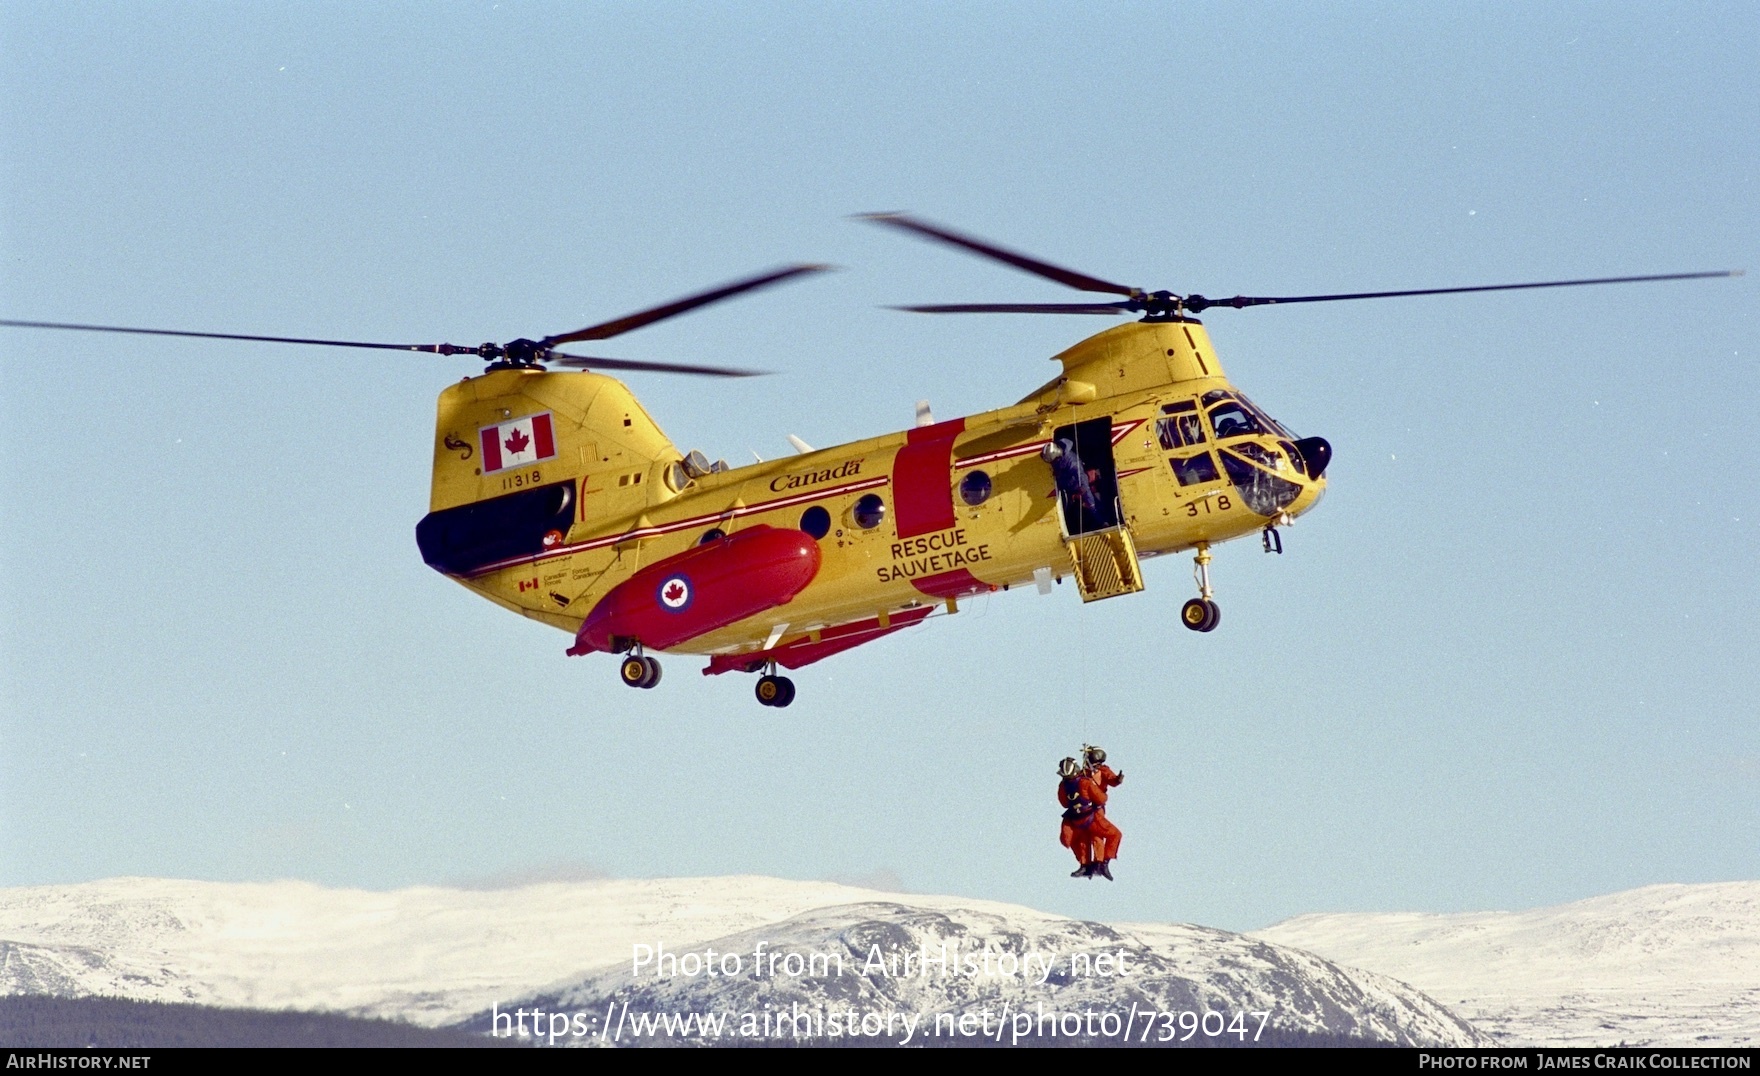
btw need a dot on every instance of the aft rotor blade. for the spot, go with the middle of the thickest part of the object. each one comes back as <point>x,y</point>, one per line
<point>1069,277</point>
<point>441,349</point>
<point>608,329</point>
<point>590,363</point>
<point>1019,308</point>
<point>1197,303</point>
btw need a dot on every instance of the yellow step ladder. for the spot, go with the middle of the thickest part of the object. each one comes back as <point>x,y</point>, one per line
<point>1105,564</point>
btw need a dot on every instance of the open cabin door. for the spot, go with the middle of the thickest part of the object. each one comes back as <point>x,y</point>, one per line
<point>1100,547</point>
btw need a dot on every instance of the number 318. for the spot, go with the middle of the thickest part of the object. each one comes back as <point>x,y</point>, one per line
<point>1222,504</point>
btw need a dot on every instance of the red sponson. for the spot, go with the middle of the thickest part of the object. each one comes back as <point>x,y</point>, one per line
<point>702,589</point>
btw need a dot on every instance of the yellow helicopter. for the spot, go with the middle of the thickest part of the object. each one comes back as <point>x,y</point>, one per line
<point>556,495</point>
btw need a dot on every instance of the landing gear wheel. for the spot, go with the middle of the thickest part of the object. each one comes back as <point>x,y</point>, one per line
<point>775,690</point>
<point>633,671</point>
<point>639,672</point>
<point>1200,614</point>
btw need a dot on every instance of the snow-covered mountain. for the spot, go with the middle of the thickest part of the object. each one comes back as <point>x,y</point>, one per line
<point>959,974</point>
<point>436,956</point>
<point>427,955</point>
<point>1666,965</point>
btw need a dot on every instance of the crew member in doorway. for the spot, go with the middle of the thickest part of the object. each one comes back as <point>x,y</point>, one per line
<point>1071,475</point>
<point>1097,777</point>
<point>1078,811</point>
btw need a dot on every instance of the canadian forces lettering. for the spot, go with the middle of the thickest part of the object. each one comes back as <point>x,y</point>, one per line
<point>932,554</point>
<point>813,478</point>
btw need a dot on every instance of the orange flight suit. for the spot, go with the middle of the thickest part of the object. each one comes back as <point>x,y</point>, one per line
<point>1075,835</point>
<point>1106,836</point>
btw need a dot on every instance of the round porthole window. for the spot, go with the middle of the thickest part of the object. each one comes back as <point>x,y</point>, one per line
<point>713,534</point>
<point>816,521</point>
<point>870,512</point>
<point>974,488</point>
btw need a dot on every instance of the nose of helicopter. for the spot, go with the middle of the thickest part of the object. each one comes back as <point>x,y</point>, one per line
<point>1316,454</point>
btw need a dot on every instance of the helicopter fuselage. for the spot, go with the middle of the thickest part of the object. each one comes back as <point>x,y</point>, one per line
<point>1163,455</point>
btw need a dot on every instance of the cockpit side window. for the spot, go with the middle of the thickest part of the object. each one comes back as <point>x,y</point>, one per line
<point>1232,419</point>
<point>1181,428</point>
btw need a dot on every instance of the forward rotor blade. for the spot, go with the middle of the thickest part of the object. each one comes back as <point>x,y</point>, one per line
<point>608,329</point>
<point>590,363</point>
<point>1197,303</point>
<point>439,349</point>
<point>1069,277</point>
<point>1018,308</point>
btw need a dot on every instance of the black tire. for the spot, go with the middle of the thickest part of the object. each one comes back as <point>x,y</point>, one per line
<point>787,692</point>
<point>1213,616</point>
<point>633,671</point>
<point>1196,613</point>
<point>769,690</point>
<point>653,676</point>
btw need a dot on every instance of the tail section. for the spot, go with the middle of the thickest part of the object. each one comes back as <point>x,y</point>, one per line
<point>524,457</point>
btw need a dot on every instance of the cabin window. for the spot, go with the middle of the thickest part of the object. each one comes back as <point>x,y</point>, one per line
<point>816,521</point>
<point>870,511</point>
<point>1182,428</point>
<point>713,534</point>
<point>1194,470</point>
<point>974,488</point>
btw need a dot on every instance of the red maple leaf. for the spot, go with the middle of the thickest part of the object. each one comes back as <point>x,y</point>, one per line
<point>675,592</point>
<point>517,441</point>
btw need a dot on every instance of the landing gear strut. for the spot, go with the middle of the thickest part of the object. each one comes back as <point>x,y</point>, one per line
<point>639,670</point>
<point>1201,614</point>
<point>774,690</point>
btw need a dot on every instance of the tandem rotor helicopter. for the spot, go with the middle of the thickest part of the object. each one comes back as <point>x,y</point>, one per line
<point>555,495</point>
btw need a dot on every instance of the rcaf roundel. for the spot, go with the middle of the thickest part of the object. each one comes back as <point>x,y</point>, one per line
<point>675,594</point>
<point>516,443</point>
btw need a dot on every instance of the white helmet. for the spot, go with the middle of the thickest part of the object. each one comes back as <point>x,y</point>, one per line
<point>1069,767</point>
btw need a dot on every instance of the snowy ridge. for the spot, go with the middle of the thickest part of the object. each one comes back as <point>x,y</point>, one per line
<point>427,955</point>
<point>1666,965</point>
<point>984,963</point>
<point>435,956</point>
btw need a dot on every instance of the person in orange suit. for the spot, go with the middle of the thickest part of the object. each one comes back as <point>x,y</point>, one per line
<point>1078,810</point>
<point>1097,777</point>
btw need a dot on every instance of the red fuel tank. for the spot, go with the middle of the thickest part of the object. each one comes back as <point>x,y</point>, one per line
<point>701,589</point>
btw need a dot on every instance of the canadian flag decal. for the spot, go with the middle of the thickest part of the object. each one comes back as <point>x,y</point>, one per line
<point>514,444</point>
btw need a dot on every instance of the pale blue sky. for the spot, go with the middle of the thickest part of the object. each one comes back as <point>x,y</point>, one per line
<point>1508,662</point>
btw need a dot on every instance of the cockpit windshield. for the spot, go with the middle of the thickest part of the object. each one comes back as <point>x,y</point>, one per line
<point>1270,423</point>
<point>1233,415</point>
<point>1233,419</point>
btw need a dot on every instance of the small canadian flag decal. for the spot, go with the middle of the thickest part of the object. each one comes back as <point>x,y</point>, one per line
<point>513,444</point>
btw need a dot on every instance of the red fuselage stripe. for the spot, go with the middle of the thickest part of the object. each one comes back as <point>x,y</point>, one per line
<point>923,497</point>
